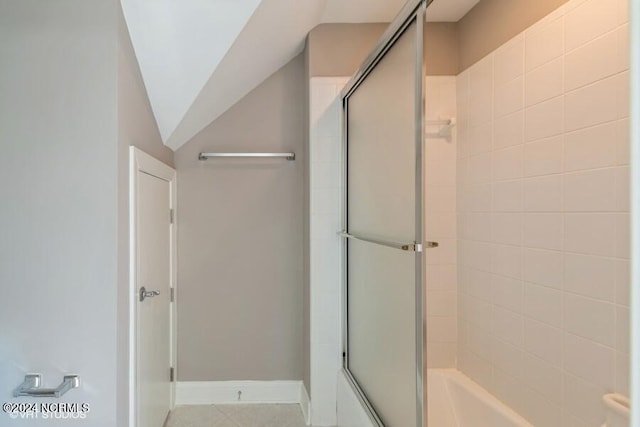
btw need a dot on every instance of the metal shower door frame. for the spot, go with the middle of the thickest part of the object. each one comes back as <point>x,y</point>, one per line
<point>413,11</point>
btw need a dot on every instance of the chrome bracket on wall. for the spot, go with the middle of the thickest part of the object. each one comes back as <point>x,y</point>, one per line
<point>31,386</point>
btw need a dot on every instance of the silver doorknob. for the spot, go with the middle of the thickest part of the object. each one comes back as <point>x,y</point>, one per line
<point>147,294</point>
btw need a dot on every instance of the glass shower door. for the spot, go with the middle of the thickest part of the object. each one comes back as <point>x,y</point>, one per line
<point>384,333</point>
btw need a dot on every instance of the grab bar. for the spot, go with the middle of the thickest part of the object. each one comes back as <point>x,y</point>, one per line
<point>413,247</point>
<point>31,386</point>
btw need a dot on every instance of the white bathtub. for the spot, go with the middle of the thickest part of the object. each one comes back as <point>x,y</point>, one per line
<point>456,401</point>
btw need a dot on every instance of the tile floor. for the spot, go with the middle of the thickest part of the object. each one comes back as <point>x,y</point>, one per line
<point>236,416</point>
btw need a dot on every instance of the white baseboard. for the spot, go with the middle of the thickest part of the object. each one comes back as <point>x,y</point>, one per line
<point>243,392</point>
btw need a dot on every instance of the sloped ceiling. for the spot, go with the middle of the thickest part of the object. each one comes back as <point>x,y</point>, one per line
<point>273,36</point>
<point>200,57</point>
<point>179,44</point>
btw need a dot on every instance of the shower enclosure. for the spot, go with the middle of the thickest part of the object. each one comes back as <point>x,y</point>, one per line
<point>529,290</point>
<point>384,332</point>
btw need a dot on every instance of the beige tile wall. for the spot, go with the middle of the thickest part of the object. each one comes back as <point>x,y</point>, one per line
<point>543,216</point>
<point>440,226</point>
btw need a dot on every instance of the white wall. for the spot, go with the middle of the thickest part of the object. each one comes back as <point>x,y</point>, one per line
<point>325,190</point>
<point>58,267</point>
<point>543,203</point>
<point>136,123</point>
<point>440,225</point>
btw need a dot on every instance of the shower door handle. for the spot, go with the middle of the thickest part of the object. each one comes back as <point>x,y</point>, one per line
<point>413,246</point>
<point>147,294</point>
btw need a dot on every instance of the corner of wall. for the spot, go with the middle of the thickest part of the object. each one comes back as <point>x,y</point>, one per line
<point>137,124</point>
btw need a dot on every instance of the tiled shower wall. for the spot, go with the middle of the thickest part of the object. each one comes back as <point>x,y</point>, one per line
<point>325,192</point>
<point>543,216</point>
<point>440,225</point>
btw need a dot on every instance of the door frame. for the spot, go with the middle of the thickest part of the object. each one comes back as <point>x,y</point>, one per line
<point>141,162</point>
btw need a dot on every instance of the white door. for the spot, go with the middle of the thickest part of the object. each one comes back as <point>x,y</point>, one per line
<point>153,281</point>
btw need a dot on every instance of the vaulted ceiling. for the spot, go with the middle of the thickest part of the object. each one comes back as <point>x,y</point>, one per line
<point>199,57</point>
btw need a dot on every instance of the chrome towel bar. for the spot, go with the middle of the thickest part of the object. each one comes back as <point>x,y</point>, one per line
<point>288,156</point>
<point>31,386</point>
<point>412,247</point>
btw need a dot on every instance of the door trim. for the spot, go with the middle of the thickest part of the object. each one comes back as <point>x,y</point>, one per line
<point>141,162</point>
